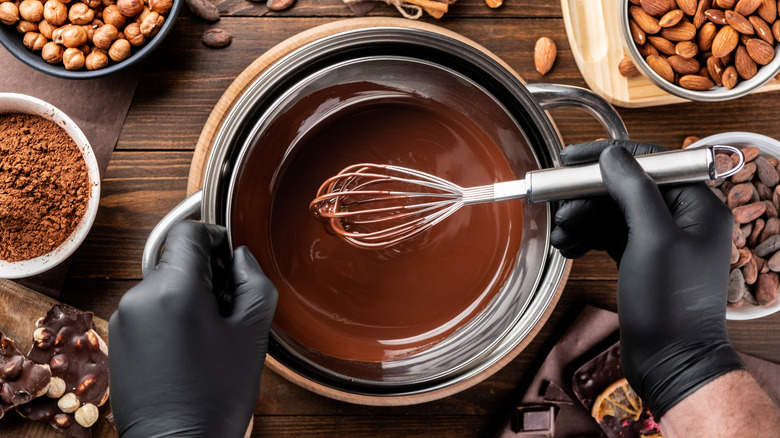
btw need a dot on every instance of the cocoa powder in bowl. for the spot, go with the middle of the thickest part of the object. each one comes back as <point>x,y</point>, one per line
<point>44,186</point>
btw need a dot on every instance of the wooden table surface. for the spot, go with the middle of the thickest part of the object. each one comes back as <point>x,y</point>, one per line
<point>182,81</point>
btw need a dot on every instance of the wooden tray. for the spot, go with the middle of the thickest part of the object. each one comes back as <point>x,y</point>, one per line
<point>593,28</point>
<point>206,142</point>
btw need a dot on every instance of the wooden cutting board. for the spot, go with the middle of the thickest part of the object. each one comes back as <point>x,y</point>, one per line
<point>20,308</point>
<point>593,28</point>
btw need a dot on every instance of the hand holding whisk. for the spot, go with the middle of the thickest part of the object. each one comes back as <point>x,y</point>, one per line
<point>376,206</point>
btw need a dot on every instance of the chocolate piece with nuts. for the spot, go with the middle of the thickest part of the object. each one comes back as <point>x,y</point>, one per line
<point>21,380</point>
<point>66,340</point>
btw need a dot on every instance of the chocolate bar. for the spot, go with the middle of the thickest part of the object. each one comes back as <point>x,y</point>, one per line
<point>534,420</point>
<point>21,380</point>
<point>66,341</point>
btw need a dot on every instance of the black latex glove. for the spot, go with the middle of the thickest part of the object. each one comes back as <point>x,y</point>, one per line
<point>178,367</point>
<point>673,249</point>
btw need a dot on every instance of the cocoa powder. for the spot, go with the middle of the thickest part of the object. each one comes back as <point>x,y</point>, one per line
<point>44,186</point>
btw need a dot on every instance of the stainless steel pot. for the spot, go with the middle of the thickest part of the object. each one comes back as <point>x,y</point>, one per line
<point>434,65</point>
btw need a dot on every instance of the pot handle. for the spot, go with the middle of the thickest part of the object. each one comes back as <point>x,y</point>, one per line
<point>188,208</point>
<point>555,96</point>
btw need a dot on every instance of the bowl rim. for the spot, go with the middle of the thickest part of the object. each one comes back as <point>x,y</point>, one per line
<point>31,105</point>
<point>718,93</point>
<point>767,145</point>
<point>34,60</point>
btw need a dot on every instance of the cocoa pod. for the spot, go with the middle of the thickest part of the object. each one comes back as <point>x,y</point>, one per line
<point>766,172</point>
<point>736,286</point>
<point>749,212</point>
<point>745,174</point>
<point>771,228</point>
<point>769,246</point>
<point>766,288</point>
<point>750,271</point>
<point>758,227</point>
<point>740,194</point>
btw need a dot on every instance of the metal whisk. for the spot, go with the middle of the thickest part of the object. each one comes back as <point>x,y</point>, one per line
<point>376,206</point>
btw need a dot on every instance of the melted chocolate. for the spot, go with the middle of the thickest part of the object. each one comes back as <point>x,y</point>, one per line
<point>376,305</point>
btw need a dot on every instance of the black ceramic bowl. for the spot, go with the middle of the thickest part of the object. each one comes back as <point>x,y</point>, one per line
<point>12,40</point>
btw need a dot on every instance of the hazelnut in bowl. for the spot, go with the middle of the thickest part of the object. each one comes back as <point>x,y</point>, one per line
<point>702,50</point>
<point>49,186</point>
<point>85,39</point>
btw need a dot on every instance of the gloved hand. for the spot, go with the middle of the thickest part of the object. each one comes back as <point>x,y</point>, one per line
<point>177,366</point>
<point>673,249</point>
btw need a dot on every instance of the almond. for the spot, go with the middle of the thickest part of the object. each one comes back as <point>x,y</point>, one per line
<point>662,44</point>
<point>739,23</point>
<point>768,10</point>
<point>646,50</point>
<point>726,4</point>
<point>760,51</point>
<point>627,68</point>
<point>729,77</point>
<point>682,31</point>
<point>715,69</point>
<point>656,8</point>
<point>660,66</point>
<point>544,55</point>
<point>696,82</point>
<point>745,66</point>
<point>645,21</point>
<point>762,29</point>
<point>747,7</point>
<point>725,41</point>
<point>671,18</point>
<point>776,30</point>
<point>716,16</point>
<point>706,36</point>
<point>637,34</point>
<point>699,18</point>
<point>683,66</point>
<point>687,6</point>
<point>686,49</point>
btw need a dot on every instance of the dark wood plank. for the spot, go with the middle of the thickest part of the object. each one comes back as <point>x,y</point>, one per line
<point>361,426</point>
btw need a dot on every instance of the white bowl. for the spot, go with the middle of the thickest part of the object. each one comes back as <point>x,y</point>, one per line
<point>20,103</point>
<point>768,146</point>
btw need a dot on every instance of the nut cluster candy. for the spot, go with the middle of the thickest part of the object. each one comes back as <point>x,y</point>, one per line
<point>698,44</point>
<point>66,340</point>
<point>21,380</point>
<point>87,33</point>
<point>753,194</point>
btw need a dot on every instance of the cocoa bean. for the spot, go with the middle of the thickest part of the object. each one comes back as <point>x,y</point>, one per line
<point>745,174</point>
<point>203,9</point>
<point>750,271</point>
<point>773,161</point>
<point>740,194</point>
<point>766,288</point>
<point>739,303</point>
<point>773,263</point>
<point>723,163</point>
<point>764,192</point>
<point>746,213</point>
<point>746,230</point>
<point>771,210</point>
<point>279,5</point>
<point>750,153</point>
<point>758,227</point>
<point>734,253</point>
<point>760,263</point>
<point>750,298</point>
<point>744,257</point>
<point>719,194</point>
<point>725,186</point>
<point>771,228</point>
<point>736,286</point>
<point>766,171</point>
<point>216,38</point>
<point>769,246</point>
<point>776,196</point>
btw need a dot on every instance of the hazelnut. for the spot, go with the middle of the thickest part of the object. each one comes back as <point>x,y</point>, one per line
<point>133,34</point>
<point>24,26</point>
<point>9,13</point>
<point>142,15</point>
<point>31,10</point>
<point>120,50</point>
<point>42,336</point>
<point>34,41</point>
<point>62,420</point>
<point>161,6</point>
<point>73,59</point>
<point>108,2</point>
<point>80,14</point>
<point>96,60</point>
<point>129,8</point>
<point>52,52</point>
<point>59,363</point>
<point>85,49</point>
<point>55,12</point>
<point>152,24</point>
<point>86,382</point>
<point>70,36</point>
<point>56,386</point>
<point>94,4</point>
<point>46,29</point>
<point>12,368</point>
<point>86,415</point>
<point>111,15</point>
<point>104,36</point>
<point>68,403</point>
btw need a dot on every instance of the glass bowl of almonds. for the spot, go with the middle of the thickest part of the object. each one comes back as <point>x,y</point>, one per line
<point>84,39</point>
<point>703,50</point>
<point>753,195</point>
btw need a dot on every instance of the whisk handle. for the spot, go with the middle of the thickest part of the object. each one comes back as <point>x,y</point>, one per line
<point>670,167</point>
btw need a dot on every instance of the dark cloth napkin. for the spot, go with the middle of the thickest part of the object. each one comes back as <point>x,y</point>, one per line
<point>98,106</point>
<point>593,331</point>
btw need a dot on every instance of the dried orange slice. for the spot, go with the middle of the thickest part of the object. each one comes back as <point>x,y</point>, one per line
<point>619,401</point>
